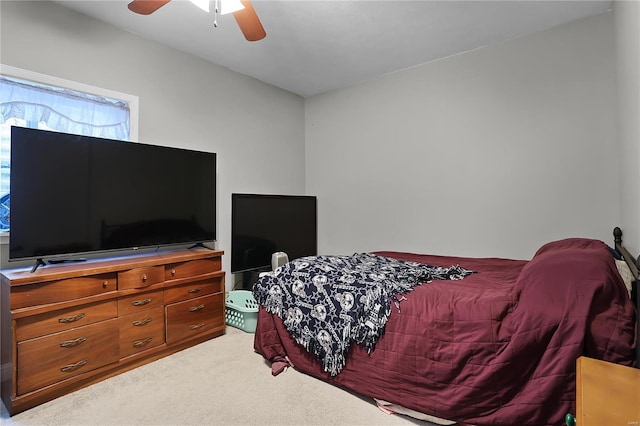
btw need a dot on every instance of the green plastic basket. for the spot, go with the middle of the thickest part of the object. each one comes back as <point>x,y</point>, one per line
<point>242,310</point>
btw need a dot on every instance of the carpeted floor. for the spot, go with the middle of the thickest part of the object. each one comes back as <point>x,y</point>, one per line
<point>219,382</point>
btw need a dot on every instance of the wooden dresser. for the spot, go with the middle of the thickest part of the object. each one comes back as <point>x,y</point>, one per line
<point>67,326</point>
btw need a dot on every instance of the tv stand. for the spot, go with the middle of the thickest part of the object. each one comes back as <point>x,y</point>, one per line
<point>39,262</point>
<point>70,325</point>
<point>200,245</point>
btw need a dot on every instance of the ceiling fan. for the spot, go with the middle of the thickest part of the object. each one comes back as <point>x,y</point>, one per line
<point>246,17</point>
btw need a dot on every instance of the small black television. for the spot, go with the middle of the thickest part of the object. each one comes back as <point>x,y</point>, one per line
<point>262,224</point>
<point>73,194</point>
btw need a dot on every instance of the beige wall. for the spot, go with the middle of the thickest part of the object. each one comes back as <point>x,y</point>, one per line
<point>488,153</point>
<point>627,37</point>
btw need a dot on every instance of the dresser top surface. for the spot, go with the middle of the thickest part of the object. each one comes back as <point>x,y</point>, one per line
<point>23,276</point>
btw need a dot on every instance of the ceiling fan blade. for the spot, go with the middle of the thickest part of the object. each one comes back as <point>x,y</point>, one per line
<point>146,7</point>
<point>249,22</point>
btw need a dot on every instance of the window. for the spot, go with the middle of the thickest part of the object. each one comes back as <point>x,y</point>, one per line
<point>38,101</point>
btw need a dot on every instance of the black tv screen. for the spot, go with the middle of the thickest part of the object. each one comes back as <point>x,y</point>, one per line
<point>78,194</point>
<point>264,224</point>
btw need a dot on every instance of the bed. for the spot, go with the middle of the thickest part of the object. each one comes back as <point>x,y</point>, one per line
<point>497,346</point>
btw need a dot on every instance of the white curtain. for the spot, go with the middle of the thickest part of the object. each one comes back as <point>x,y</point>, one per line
<point>64,110</point>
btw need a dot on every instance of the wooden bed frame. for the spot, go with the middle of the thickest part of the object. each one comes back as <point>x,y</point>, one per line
<point>634,265</point>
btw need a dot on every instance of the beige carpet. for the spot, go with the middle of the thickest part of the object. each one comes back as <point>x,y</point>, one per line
<point>219,382</point>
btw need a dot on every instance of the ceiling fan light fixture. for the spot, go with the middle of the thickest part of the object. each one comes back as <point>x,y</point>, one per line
<point>202,4</point>
<point>230,6</point>
<point>242,10</point>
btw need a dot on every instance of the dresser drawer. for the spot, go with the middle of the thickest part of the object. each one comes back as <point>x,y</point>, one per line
<point>194,289</point>
<point>49,359</point>
<point>140,302</point>
<point>140,277</point>
<point>64,319</point>
<point>192,268</point>
<point>188,318</point>
<point>141,330</point>
<point>62,290</point>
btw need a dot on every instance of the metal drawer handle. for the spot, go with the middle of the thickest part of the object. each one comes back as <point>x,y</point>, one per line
<point>196,308</point>
<point>105,283</point>
<point>72,367</point>
<point>173,272</point>
<point>72,343</point>
<point>139,343</point>
<point>141,302</point>
<point>142,322</point>
<point>194,290</point>
<point>196,326</point>
<point>72,318</point>
<point>144,277</point>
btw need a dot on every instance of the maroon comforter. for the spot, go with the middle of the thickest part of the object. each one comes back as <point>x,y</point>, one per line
<point>498,347</point>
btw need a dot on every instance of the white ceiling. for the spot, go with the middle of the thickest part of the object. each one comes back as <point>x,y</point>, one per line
<point>315,46</point>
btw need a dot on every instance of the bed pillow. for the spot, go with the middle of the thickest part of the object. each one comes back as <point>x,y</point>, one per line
<point>570,244</point>
<point>560,246</point>
<point>615,254</point>
<point>625,273</point>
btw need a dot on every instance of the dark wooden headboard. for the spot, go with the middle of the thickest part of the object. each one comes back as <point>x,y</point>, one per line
<point>634,264</point>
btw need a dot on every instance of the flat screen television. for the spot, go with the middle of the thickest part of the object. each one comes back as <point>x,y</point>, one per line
<point>263,224</point>
<point>73,194</point>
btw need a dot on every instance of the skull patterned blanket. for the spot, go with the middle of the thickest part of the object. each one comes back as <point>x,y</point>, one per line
<point>328,302</point>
